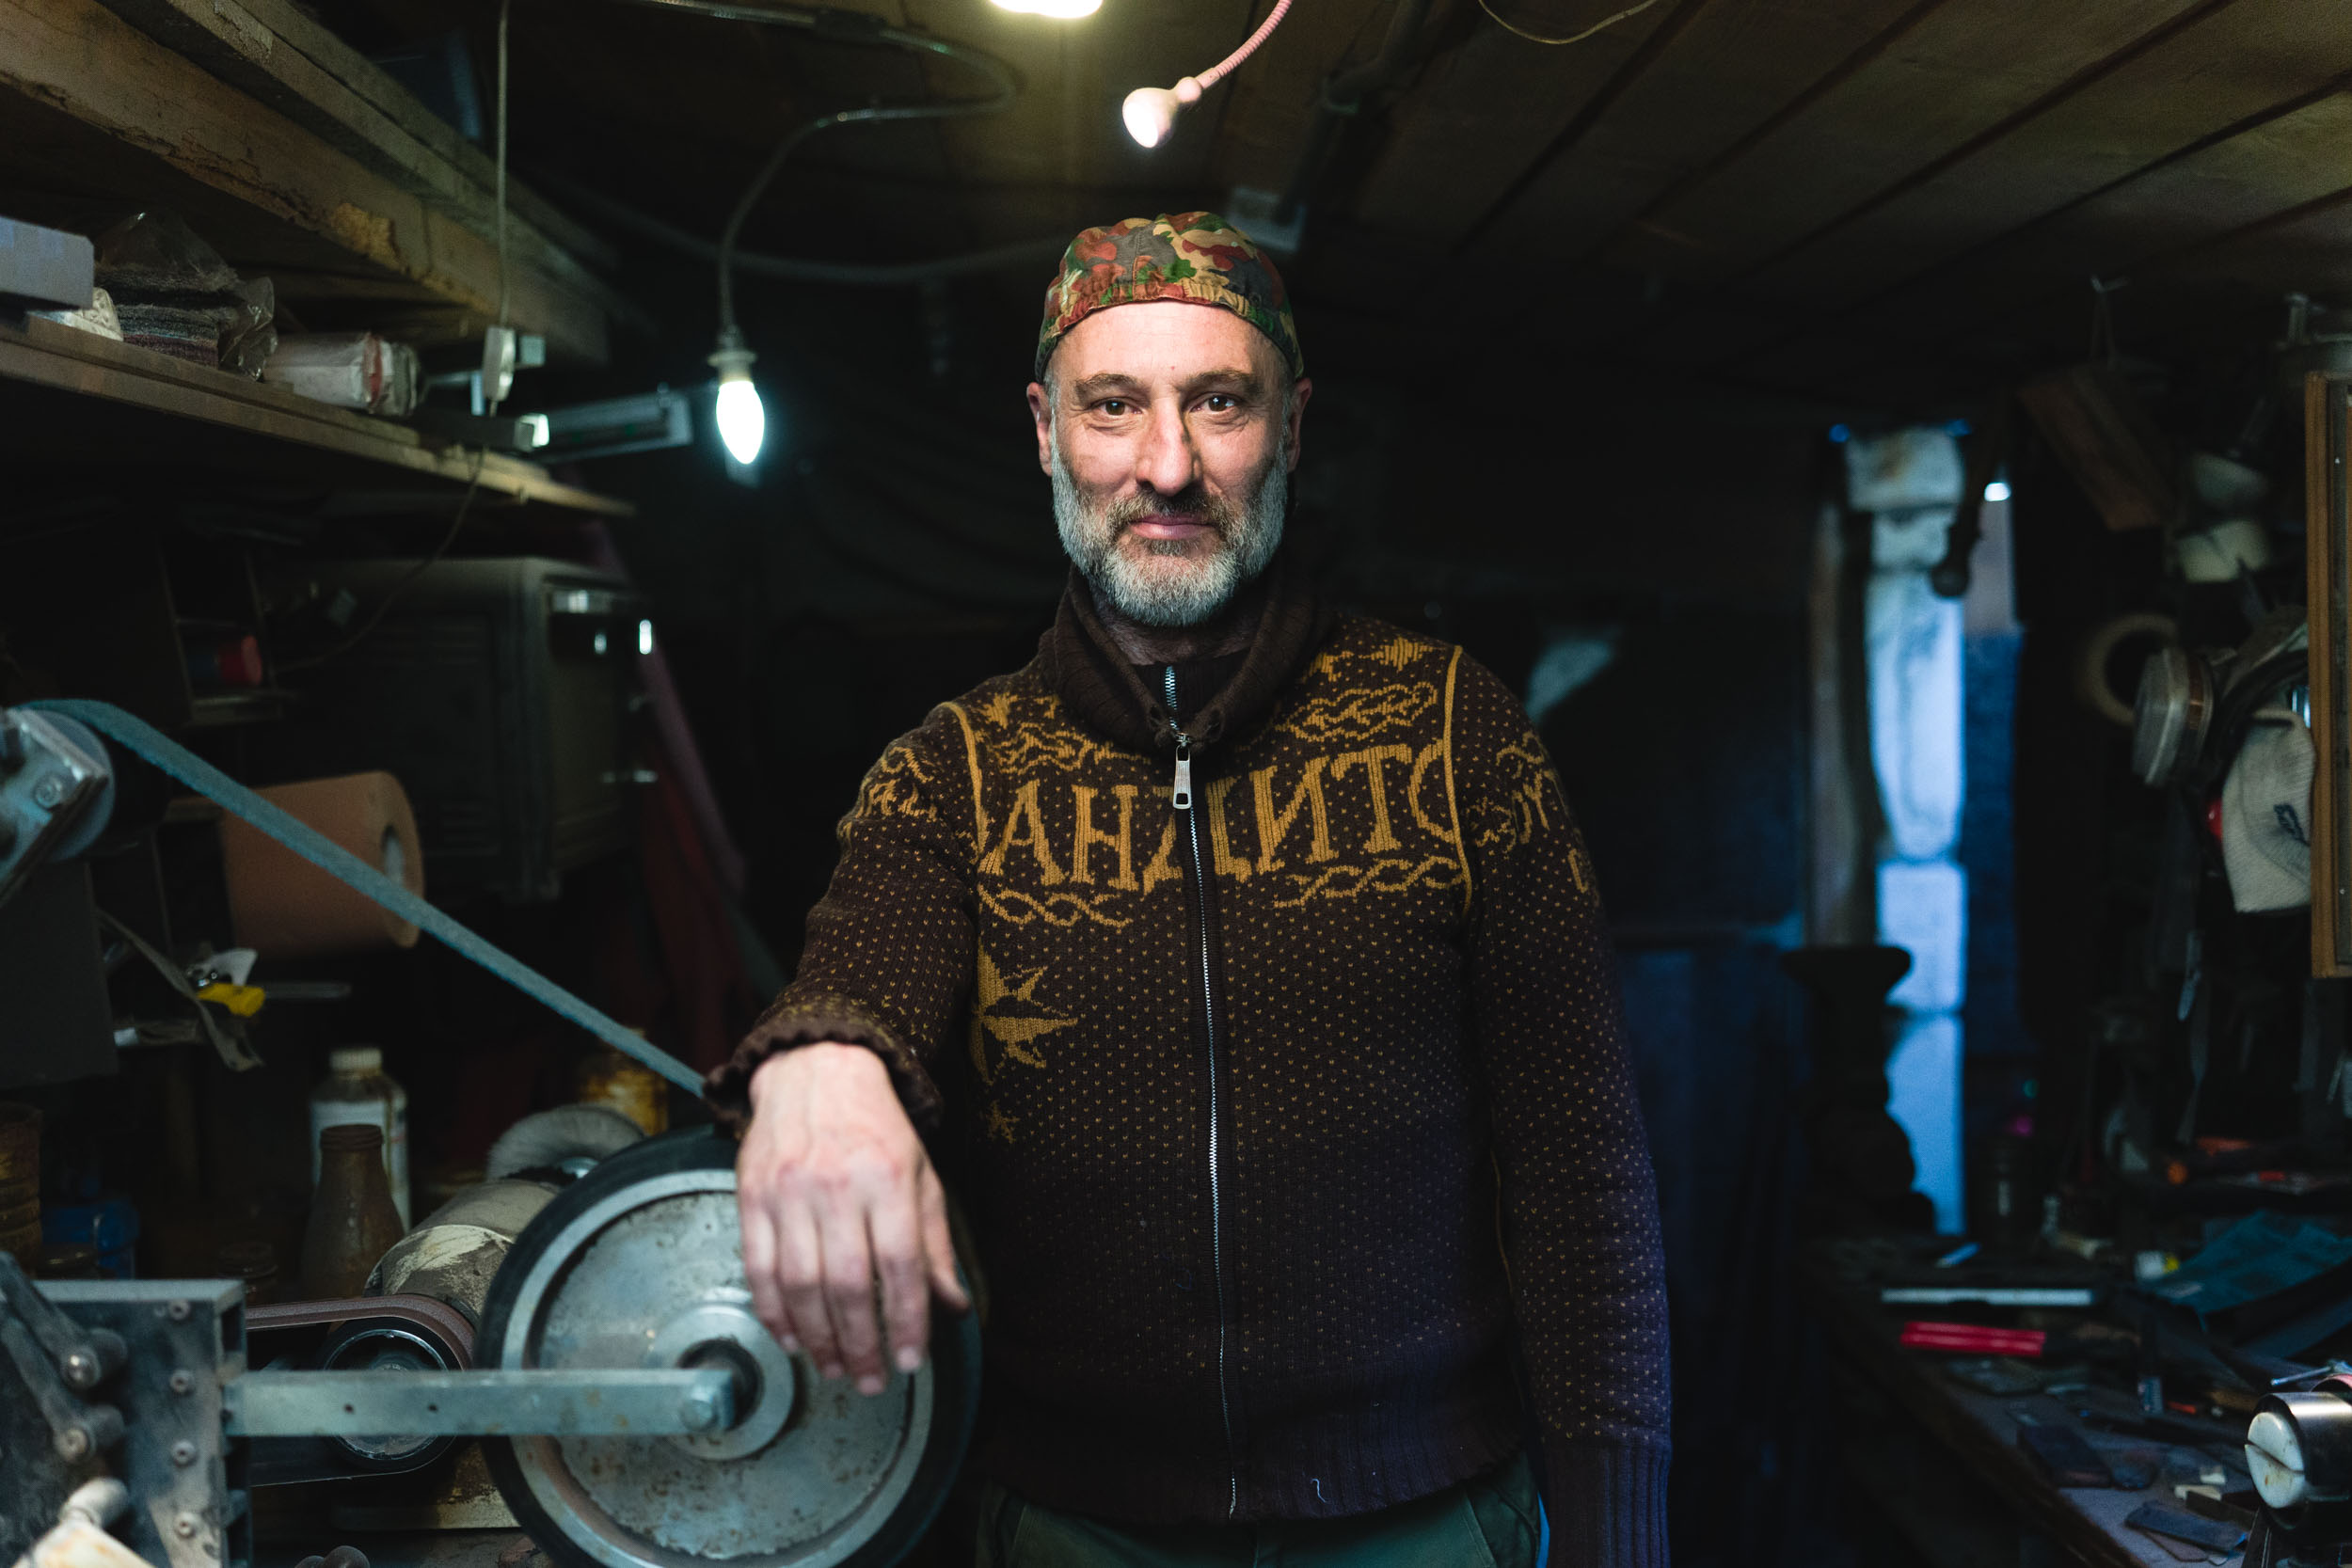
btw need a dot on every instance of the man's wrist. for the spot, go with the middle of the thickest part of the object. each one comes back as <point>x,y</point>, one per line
<point>802,1059</point>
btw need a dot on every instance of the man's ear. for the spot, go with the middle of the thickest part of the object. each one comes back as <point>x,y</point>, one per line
<point>1301,390</point>
<point>1041,411</point>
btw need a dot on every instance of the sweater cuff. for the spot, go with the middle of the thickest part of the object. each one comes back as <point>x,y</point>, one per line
<point>1607,1506</point>
<point>728,1088</point>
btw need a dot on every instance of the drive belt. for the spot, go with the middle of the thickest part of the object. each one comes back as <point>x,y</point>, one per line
<point>153,745</point>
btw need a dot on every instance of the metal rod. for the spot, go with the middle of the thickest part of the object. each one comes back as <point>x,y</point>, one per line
<point>558,1401</point>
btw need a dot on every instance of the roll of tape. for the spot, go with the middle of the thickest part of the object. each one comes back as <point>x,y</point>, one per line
<point>151,744</point>
<point>284,907</point>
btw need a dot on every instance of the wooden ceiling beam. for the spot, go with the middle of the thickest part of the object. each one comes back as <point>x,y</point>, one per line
<point>1661,38</point>
<point>2240,191</point>
<point>2094,71</point>
<point>1852,64</point>
<point>1965,70</point>
<point>1482,110</point>
<point>1888,308</point>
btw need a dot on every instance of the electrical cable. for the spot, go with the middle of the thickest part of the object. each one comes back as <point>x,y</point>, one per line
<point>837,26</point>
<point>1342,97</point>
<point>794,269</point>
<point>1602,25</point>
<point>1007,90</point>
<point>505,6</point>
<point>407,580</point>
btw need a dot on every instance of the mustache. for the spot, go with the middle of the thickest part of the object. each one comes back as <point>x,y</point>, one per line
<point>1194,505</point>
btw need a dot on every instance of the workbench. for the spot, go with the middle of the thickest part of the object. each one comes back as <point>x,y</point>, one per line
<point>1941,1462</point>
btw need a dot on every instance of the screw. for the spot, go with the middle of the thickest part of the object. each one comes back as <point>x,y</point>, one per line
<point>183,1381</point>
<point>185,1524</point>
<point>80,1368</point>
<point>179,1311</point>
<point>73,1444</point>
<point>701,1412</point>
<point>48,791</point>
<point>183,1452</point>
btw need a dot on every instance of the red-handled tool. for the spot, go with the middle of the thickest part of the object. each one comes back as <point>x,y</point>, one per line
<point>1974,1339</point>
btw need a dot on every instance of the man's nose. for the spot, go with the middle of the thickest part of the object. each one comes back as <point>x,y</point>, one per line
<point>1168,462</point>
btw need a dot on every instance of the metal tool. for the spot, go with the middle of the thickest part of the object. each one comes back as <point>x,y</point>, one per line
<point>633,1412</point>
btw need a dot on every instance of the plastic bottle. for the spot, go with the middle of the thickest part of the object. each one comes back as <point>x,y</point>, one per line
<point>356,1090</point>
<point>352,1220</point>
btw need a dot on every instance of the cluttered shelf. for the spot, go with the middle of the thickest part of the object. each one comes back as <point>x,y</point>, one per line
<point>167,410</point>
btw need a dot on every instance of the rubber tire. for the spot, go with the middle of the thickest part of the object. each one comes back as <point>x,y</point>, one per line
<point>955,1357</point>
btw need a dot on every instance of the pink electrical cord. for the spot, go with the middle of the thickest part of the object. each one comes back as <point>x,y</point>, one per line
<point>1226,67</point>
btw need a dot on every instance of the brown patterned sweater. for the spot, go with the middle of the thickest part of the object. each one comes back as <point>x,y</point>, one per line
<point>1243,1089</point>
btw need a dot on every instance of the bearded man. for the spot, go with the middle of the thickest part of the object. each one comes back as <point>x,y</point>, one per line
<point>1249,959</point>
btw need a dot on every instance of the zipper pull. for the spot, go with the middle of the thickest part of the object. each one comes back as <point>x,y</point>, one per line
<point>1183,774</point>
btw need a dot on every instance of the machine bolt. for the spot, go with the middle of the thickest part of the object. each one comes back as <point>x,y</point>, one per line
<point>184,1454</point>
<point>73,1444</point>
<point>701,1412</point>
<point>48,791</point>
<point>183,1381</point>
<point>179,1311</point>
<point>185,1524</point>
<point>80,1368</point>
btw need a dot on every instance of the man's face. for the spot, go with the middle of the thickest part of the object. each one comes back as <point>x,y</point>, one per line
<point>1170,430</point>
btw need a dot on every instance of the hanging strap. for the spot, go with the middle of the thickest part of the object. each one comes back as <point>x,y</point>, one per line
<point>337,862</point>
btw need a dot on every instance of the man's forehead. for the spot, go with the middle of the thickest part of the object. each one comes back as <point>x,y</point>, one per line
<point>1165,338</point>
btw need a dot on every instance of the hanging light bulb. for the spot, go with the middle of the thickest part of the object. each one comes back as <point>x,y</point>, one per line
<point>1151,112</point>
<point>742,422</point>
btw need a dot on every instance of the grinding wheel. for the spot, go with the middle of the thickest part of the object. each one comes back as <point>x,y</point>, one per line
<point>640,1264</point>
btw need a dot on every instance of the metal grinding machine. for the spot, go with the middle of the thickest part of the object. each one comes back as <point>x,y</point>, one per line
<point>632,1411</point>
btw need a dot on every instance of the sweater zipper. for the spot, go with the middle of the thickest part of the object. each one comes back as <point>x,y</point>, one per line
<point>1181,797</point>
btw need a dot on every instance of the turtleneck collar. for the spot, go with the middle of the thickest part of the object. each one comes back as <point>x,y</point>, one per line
<point>1090,672</point>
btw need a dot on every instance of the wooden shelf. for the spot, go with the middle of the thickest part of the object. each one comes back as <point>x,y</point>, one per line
<point>293,157</point>
<point>71,396</point>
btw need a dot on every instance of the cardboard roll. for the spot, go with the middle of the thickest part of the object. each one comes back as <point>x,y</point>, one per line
<point>639,1264</point>
<point>283,907</point>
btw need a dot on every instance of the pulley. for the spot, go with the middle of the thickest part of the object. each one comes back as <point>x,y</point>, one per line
<point>640,1264</point>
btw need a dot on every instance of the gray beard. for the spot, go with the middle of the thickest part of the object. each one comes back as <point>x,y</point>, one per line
<point>1184,592</point>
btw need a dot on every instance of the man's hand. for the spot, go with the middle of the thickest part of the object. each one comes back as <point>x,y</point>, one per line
<point>835,1190</point>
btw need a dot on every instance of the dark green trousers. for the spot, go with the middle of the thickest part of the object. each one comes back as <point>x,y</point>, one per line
<point>1493,1521</point>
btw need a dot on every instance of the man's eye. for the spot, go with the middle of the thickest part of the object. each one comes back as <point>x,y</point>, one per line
<point>1113,406</point>
<point>1220,403</point>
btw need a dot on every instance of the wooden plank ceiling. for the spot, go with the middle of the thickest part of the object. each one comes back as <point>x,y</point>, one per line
<point>1877,200</point>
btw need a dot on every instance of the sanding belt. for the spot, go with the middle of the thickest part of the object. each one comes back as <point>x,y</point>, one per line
<point>183,764</point>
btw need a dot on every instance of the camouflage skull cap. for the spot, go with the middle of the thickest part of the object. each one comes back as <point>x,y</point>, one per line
<point>1189,256</point>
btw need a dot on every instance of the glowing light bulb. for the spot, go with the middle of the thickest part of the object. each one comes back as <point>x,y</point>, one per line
<point>742,422</point>
<point>1150,114</point>
<point>1997,490</point>
<point>1061,11</point>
